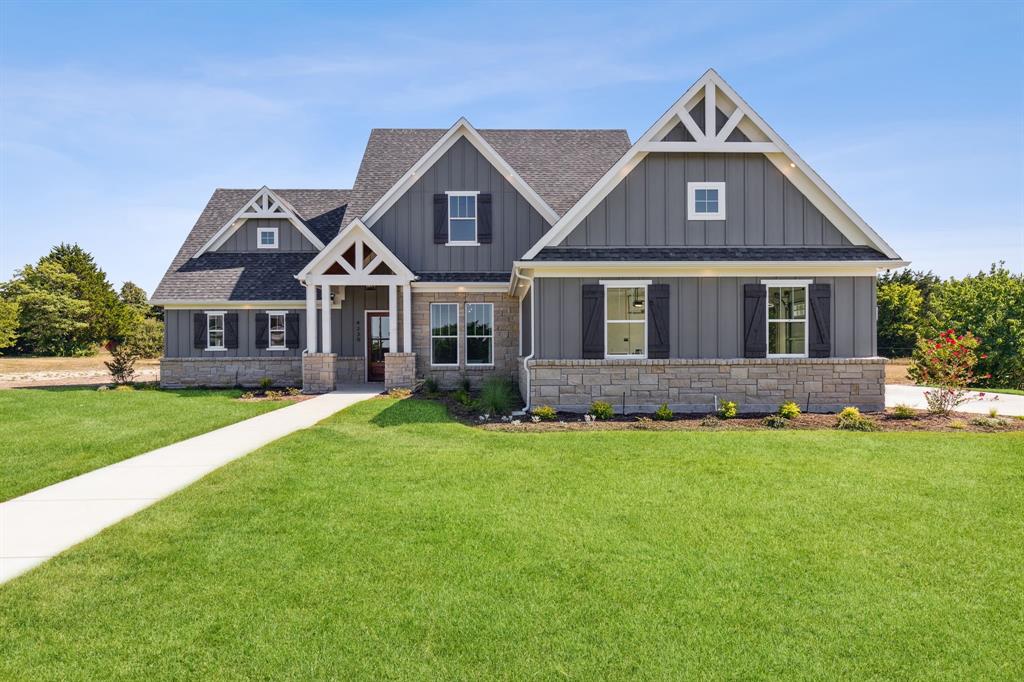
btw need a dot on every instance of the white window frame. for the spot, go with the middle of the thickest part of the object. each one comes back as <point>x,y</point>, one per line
<point>787,284</point>
<point>480,336</point>
<point>270,330</point>
<point>430,322</point>
<point>476,217</point>
<point>260,231</point>
<point>626,284</point>
<point>691,200</point>
<point>223,329</point>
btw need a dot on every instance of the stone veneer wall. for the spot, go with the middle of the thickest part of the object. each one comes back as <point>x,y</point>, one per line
<point>182,372</point>
<point>399,370</point>
<point>318,372</point>
<point>758,385</point>
<point>350,369</point>
<point>506,337</point>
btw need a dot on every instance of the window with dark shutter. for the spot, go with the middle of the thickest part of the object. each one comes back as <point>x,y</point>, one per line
<point>231,330</point>
<point>658,318</point>
<point>820,342</point>
<point>755,341</point>
<point>293,325</point>
<point>483,219</point>
<point>440,218</point>
<point>262,327</point>
<point>199,330</point>
<point>593,321</point>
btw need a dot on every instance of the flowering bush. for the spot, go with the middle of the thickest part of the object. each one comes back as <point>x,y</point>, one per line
<point>947,363</point>
<point>727,409</point>
<point>601,410</point>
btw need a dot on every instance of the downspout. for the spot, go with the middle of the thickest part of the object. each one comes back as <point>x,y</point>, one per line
<point>533,340</point>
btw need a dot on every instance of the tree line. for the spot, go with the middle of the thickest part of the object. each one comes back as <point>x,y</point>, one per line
<point>64,305</point>
<point>913,305</point>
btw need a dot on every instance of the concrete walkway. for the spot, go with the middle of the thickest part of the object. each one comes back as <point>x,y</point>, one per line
<point>41,524</point>
<point>1007,404</point>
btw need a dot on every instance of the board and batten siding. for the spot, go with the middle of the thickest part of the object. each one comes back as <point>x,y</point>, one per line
<point>649,207</point>
<point>526,323</point>
<point>407,228</point>
<point>288,238</point>
<point>706,316</point>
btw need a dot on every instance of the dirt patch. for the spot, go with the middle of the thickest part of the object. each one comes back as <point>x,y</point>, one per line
<point>896,371</point>
<point>26,372</point>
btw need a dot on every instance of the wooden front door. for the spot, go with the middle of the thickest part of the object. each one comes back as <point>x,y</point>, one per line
<point>378,342</point>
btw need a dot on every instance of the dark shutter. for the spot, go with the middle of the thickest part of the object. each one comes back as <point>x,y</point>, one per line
<point>657,321</point>
<point>291,326</point>
<point>755,340</point>
<point>231,330</point>
<point>483,218</point>
<point>262,339</point>
<point>199,330</point>
<point>440,218</point>
<point>593,321</point>
<point>820,342</point>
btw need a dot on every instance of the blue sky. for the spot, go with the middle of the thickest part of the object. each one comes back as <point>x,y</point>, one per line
<point>118,120</point>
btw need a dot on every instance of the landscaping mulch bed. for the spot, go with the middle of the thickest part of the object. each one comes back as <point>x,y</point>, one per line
<point>291,395</point>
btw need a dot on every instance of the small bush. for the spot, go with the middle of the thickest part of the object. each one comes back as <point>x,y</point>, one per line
<point>710,422</point>
<point>663,413</point>
<point>990,422</point>
<point>789,410</point>
<point>993,412</point>
<point>265,383</point>
<point>465,384</point>
<point>957,424</point>
<point>774,421</point>
<point>850,419</point>
<point>902,411</point>
<point>248,395</point>
<point>545,413</point>
<point>122,363</point>
<point>293,391</point>
<point>399,393</point>
<point>601,410</point>
<point>463,398</point>
<point>147,338</point>
<point>272,395</point>
<point>497,396</point>
<point>728,409</point>
<point>644,422</point>
<point>430,385</point>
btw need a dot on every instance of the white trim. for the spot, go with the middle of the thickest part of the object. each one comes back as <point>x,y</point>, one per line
<point>476,217</point>
<point>704,268</point>
<point>691,200</point>
<point>430,333</point>
<point>406,319</point>
<point>264,204</point>
<point>260,231</point>
<point>478,336</point>
<point>359,234</point>
<point>817,191</point>
<point>625,284</point>
<point>184,304</point>
<point>459,287</point>
<point>787,284</point>
<point>366,340</point>
<point>270,330</point>
<point>710,147</point>
<point>223,330</point>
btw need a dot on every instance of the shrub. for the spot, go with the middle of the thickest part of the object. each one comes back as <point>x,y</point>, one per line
<point>248,395</point>
<point>993,412</point>
<point>601,410</point>
<point>545,413</point>
<point>957,424</point>
<point>990,422</point>
<point>710,421</point>
<point>728,409</point>
<point>430,385</point>
<point>293,391</point>
<point>122,363</point>
<point>902,411</point>
<point>496,396</point>
<point>147,337</point>
<point>663,413</point>
<point>643,422</point>
<point>463,398</point>
<point>265,383</point>
<point>789,410</point>
<point>465,384</point>
<point>399,393</point>
<point>850,419</point>
<point>774,421</point>
<point>947,363</point>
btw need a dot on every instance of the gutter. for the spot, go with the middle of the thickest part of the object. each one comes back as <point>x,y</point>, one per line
<point>533,340</point>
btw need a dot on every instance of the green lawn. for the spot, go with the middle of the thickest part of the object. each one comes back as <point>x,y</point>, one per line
<point>50,435</point>
<point>389,542</point>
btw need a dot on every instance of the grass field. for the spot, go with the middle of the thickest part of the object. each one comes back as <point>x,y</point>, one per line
<point>389,542</point>
<point>52,434</point>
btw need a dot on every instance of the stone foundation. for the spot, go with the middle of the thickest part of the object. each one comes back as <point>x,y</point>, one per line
<point>757,385</point>
<point>399,370</point>
<point>245,371</point>
<point>318,372</point>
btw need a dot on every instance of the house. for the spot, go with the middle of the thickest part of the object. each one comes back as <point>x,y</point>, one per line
<point>705,261</point>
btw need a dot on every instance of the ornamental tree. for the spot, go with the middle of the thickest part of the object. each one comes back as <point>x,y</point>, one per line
<point>947,364</point>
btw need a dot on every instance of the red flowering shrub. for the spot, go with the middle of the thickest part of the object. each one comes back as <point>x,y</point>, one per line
<point>947,363</point>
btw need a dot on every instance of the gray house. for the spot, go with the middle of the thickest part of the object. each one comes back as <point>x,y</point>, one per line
<point>705,261</point>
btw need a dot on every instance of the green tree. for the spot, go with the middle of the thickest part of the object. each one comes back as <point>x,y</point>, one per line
<point>52,321</point>
<point>900,306</point>
<point>148,338</point>
<point>9,310</point>
<point>106,317</point>
<point>134,295</point>
<point>924,282</point>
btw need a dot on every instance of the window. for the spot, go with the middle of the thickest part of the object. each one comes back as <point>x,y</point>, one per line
<point>444,334</point>
<point>266,237</point>
<point>625,319</point>
<point>787,319</point>
<point>215,331</point>
<point>277,331</point>
<point>479,333</point>
<point>462,218</point>
<point>706,200</point>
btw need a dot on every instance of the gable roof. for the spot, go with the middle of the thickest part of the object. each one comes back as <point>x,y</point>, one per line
<point>716,136</point>
<point>265,204</point>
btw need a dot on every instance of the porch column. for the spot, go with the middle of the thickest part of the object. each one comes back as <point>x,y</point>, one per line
<point>407,318</point>
<point>325,316</point>
<point>393,316</point>
<point>310,317</point>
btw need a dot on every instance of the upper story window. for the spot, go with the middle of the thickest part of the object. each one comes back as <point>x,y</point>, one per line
<point>215,331</point>
<point>277,331</point>
<point>266,237</point>
<point>706,200</point>
<point>625,319</point>
<point>462,218</point>
<point>787,319</point>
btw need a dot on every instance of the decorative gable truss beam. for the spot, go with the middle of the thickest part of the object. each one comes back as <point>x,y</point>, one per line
<point>356,257</point>
<point>265,204</point>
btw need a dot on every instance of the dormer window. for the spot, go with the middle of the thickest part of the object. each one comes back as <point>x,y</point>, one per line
<point>462,219</point>
<point>266,237</point>
<point>706,200</point>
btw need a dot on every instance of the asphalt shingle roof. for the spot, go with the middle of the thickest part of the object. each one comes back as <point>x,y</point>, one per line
<point>712,253</point>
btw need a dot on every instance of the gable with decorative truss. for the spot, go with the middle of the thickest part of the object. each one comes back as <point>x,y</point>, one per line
<point>265,204</point>
<point>357,257</point>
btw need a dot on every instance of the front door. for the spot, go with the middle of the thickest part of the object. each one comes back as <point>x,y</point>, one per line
<point>378,342</point>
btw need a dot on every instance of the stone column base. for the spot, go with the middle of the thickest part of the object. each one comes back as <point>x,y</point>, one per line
<point>318,372</point>
<point>399,370</point>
